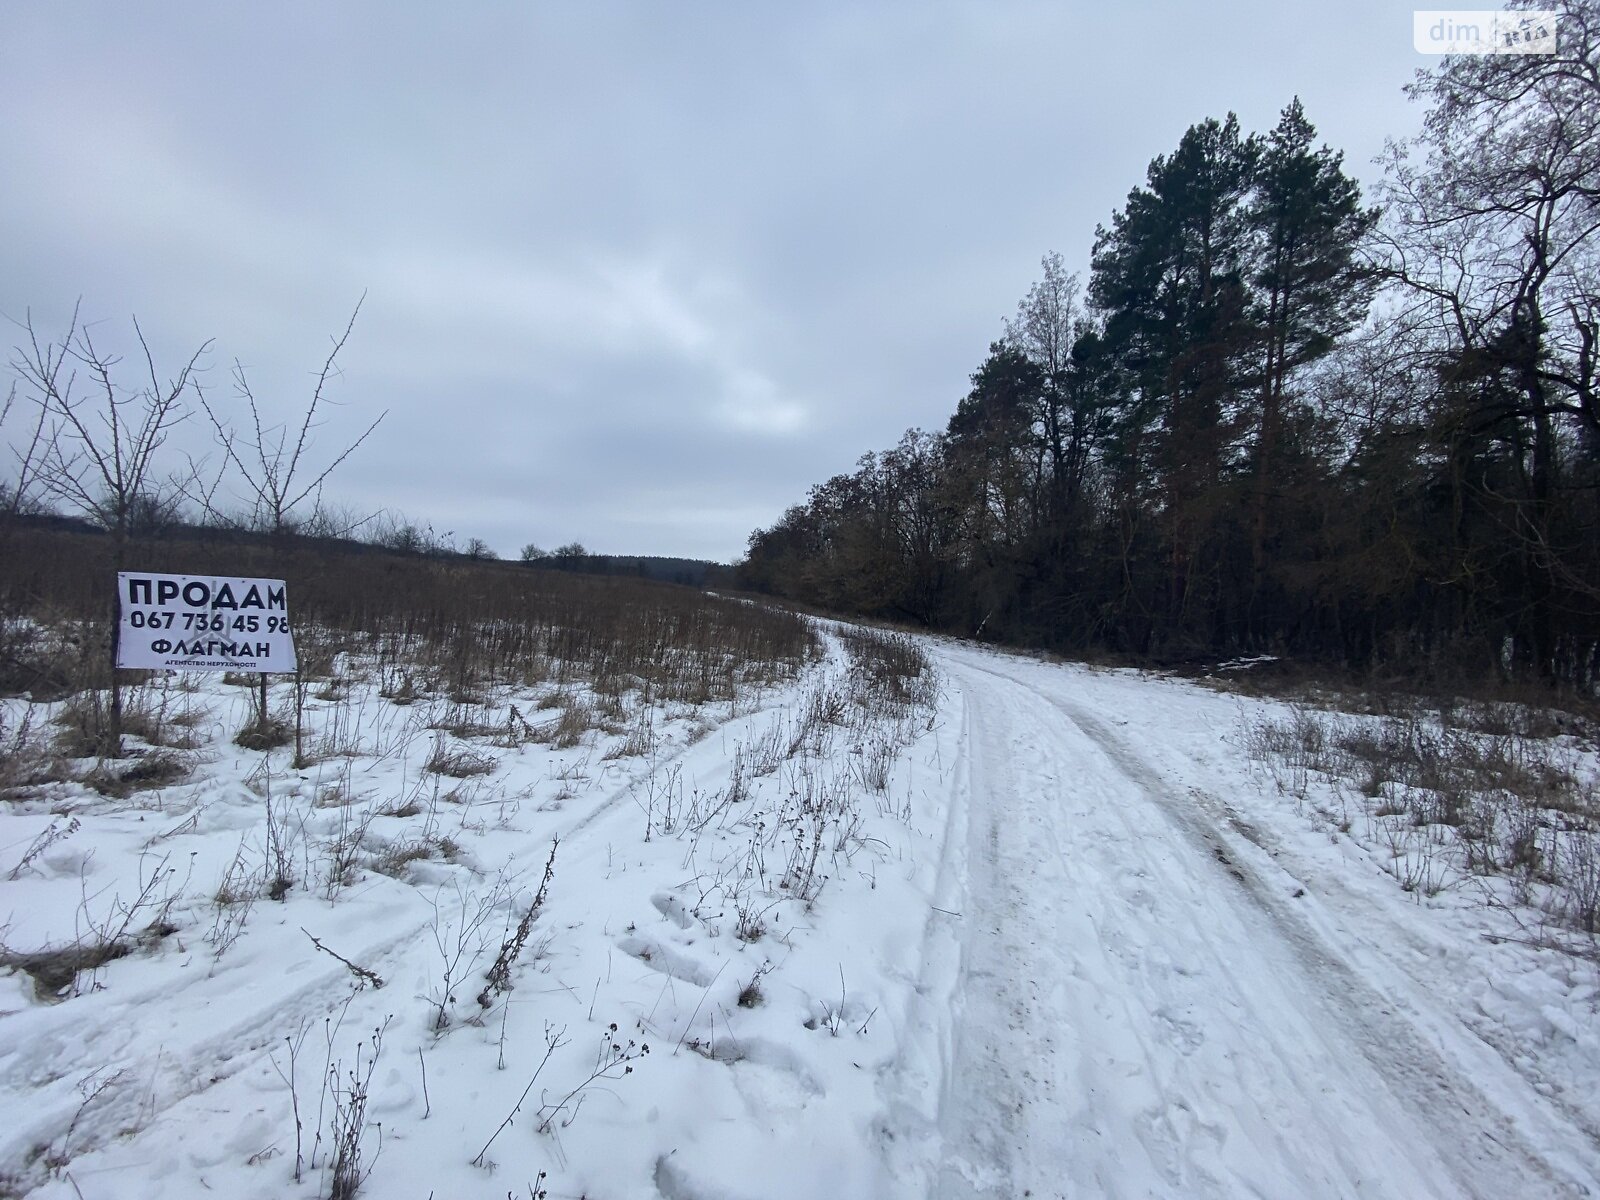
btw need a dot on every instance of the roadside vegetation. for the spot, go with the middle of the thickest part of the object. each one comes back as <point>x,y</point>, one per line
<point>1494,798</point>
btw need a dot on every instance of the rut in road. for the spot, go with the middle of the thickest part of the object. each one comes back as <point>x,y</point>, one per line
<point>1138,1017</point>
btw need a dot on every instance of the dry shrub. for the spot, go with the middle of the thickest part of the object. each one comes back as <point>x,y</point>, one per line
<point>460,724</point>
<point>393,858</point>
<point>317,651</point>
<point>264,735</point>
<point>612,713</point>
<point>889,669</point>
<point>640,739</point>
<point>26,759</point>
<point>459,762</point>
<point>536,669</point>
<point>180,731</point>
<point>85,721</point>
<point>577,718</point>
<point>143,773</point>
<point>1448,796</point>
<point>400,688</point>
<point>36,661</point>
<point>55,970</point>
<point>473,626</point>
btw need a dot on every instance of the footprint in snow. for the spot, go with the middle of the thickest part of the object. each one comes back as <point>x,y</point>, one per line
<point>673,909</point>
<point>668,961</point>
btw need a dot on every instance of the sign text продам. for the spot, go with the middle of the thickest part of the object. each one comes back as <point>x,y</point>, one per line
<point>203,623</point>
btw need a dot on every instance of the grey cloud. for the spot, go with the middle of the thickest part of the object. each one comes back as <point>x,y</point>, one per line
<point>636,273</point>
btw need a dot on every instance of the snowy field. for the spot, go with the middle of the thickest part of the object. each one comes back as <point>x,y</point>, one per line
<point>1007,929</point>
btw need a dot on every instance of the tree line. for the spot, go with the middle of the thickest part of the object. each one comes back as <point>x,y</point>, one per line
<point>1278,419</point>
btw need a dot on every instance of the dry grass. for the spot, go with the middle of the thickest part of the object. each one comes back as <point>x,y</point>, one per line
<point>122,778</point>
<point>263,736</point>
<point>459,762</point>
<point>85,723</point>
<point>27,761</point>
<point>577,718</point>
<point>395,857</point>
<point>1451,800</point>
<point>55,970</point>
<point>889,669</point>
<point>1479,706</point>
<point>468,630</point>
<point>639,737</point>
<point>400,688</point>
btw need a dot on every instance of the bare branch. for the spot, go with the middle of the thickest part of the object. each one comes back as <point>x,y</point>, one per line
<point>273,476</point>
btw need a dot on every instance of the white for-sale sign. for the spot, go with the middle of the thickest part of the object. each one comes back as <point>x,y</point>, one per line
<point>203,623</point>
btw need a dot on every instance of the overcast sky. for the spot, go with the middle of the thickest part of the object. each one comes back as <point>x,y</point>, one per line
<point>636,274</point>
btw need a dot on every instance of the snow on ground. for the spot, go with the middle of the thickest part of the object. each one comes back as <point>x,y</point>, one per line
<point>1174,982</point>
<point>1057,937</point>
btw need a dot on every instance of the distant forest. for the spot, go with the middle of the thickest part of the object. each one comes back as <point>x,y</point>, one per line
<point>1277,418</point>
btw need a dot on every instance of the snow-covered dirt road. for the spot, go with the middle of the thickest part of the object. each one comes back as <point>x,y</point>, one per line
<point>1147,1002</point>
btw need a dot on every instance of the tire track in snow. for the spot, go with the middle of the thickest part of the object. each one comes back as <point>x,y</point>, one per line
<point>1488,1140</point>
<point>917,1089</point>
<point>1141,1015</point>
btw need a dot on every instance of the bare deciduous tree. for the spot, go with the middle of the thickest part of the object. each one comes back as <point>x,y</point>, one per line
<point>97,445</point>
<point>275,474</point>
<point>274,470</point>
<point>17,497</point>
<point>98,442</point>
<point>1494,234</point>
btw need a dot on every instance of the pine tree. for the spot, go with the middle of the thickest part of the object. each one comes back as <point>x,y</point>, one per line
<point>1170,276</point>
<point>1307,224</point>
